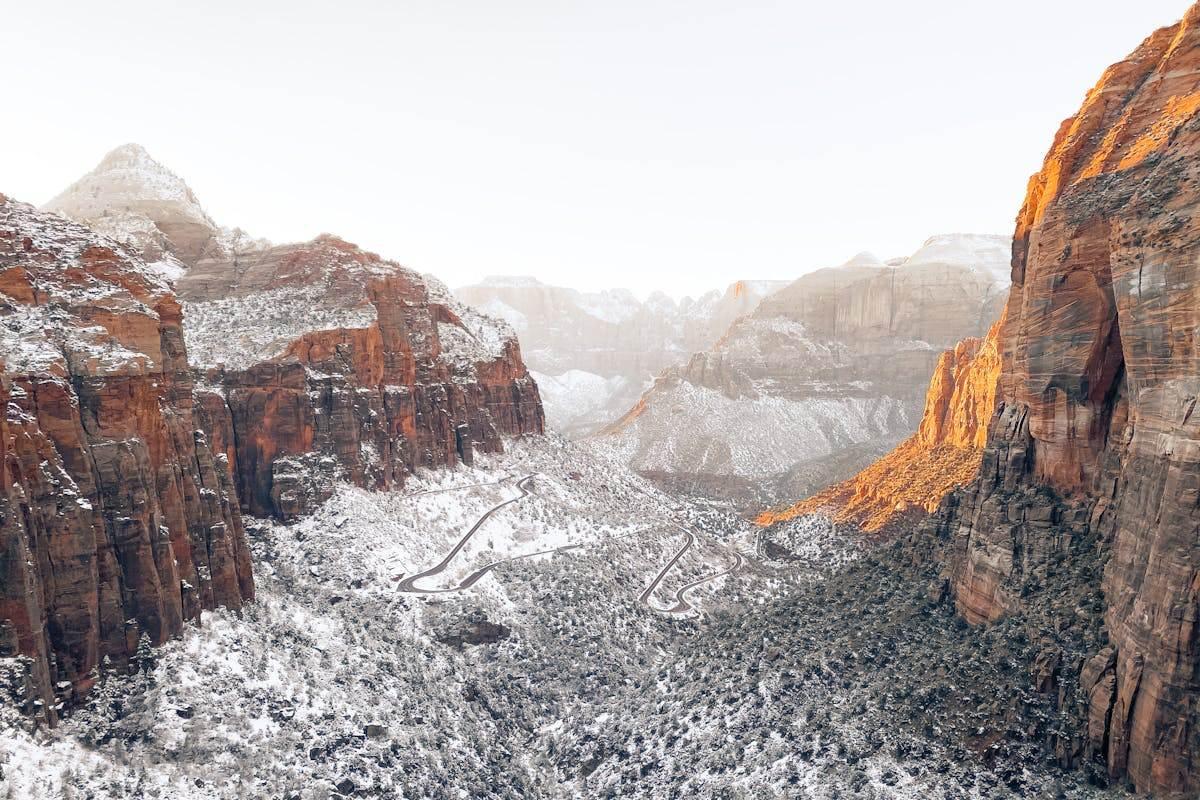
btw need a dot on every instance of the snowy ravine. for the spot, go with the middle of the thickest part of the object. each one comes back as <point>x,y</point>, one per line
<point>548,678</point>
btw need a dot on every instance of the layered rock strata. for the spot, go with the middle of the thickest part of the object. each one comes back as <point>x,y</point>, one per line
<point>332,363</point>
<point>316,361</point>
<point>824,377</point>
<point>117,519</point>
<point>1096,438</point>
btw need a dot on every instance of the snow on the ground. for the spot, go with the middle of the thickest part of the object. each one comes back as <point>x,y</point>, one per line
<point>333,675</point>
<point>702,431</point>
<point>242,331</point>
<point>548,679</point>
<point>578,401</point>
<point>482,337</point>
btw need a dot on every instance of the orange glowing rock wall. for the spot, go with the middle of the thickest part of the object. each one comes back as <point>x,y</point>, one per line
<point>943,454</point>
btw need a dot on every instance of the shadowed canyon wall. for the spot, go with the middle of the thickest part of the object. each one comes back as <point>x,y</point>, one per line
<point>1095,443</point>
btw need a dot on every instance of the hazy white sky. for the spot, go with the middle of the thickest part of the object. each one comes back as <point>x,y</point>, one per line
<point>648,143</point>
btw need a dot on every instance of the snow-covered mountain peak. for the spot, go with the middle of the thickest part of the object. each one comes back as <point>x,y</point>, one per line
<point>130,155</point>
<point>136,200</point>
<point>127,180</point>
<point>986,252</point>
<point>864,259</point>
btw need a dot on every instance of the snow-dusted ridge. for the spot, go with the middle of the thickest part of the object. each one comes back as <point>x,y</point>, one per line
<point>128,178</point>
<point>39,338</point>
<point>593,351</point>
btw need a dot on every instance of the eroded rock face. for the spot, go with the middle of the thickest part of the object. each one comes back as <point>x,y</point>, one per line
<point>316,360</point>
<point>826,376</point>
<point>329,362</point>
<point>1095,436</point>
<point>943,454</point>
<point>116,517</point>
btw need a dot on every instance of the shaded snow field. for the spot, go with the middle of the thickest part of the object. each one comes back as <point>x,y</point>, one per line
<point>578,402</point>
<point>756,438</point>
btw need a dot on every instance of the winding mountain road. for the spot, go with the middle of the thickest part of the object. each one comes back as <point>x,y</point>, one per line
<point>687,545</point>
<point>410,584</point>
<point>682,606</point>
<point>474,577</point>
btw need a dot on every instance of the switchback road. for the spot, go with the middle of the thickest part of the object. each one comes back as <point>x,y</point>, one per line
<point>410,584</point>
<point>687,545</point>
<point>681,604</point>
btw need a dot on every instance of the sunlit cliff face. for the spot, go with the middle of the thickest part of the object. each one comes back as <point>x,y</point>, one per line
<point>944,453</point>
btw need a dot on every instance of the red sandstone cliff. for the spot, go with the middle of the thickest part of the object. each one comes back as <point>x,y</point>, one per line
<point>942,455</point>
<point>116,517</point>
<point>317,361</point>
<point>325,362</point>
<point>1096,439</point>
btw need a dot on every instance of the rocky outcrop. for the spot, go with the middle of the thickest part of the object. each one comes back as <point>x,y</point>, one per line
<point>133,199</point>
<point>316,361</point>
<point>117,519</point>
<point>330,363</point>
<point>1096,444</point>
<point>942,455</point>
<point>826,376</point>
<point>609,343</point>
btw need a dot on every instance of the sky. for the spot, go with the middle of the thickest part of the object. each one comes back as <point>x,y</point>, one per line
<point>650,144</point>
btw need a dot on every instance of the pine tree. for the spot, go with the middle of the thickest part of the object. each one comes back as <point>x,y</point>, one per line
<point>144,656</point>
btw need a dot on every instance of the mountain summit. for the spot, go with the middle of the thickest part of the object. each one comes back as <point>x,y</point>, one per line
<point>136,200</point>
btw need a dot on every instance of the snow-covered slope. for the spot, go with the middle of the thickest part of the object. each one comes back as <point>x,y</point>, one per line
<point>619,341</point>
<point>549,677</point>
<point>825,375</point>
<point>577,402</point>
<point>990,254</point>
<point>337,673</point>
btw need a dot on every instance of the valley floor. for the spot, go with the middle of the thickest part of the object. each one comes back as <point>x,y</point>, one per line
<point>802,666</point>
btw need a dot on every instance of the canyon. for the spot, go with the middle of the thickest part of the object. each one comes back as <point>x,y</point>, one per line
<point>822,378</point>
<point>295,520</point>
<point>944,454</point>
<point>1094,444</point>
<point>594,353</point>
<point>151,403</point>
<point>1087,476</point>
